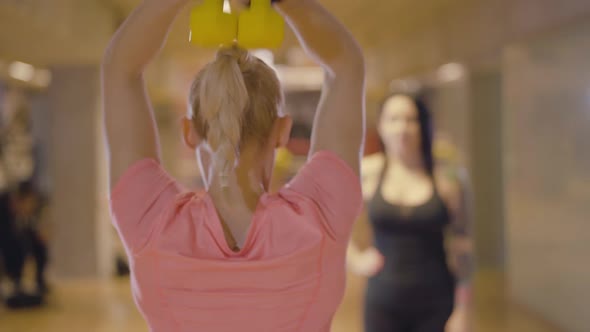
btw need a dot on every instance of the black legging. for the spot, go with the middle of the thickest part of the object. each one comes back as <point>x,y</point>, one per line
<point>13,255</point>
<point>34,244</point>
<point>394,308</point>
<point>11,248</point>
<point>414,291</point>
<point>17,244</point>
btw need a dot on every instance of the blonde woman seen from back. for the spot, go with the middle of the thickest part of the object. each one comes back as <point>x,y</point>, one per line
<point>235,257</point>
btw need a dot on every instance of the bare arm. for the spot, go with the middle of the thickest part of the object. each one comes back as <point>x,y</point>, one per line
<point>361,256</point>
<point>461,253</point>
<point>128,116</point>
<point>458,198</point>
<point>339,125</point>
<point>462,232</point>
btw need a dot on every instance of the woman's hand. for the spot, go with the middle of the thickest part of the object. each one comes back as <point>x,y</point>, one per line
<point>460,320</point>
<point>366,263</point>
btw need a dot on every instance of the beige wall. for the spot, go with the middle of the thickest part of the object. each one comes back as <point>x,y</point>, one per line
<point>80,228</point>
<point>486,170</point>
<point>468,111</point>
<point>449,102</point>
<point>54,32</point>
<point>423,35</point>
<point>400,38</point>
<point>547,174</point>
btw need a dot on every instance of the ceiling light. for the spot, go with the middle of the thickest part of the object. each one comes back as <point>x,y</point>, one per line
<point>21,71</point>
<point>451,72</point>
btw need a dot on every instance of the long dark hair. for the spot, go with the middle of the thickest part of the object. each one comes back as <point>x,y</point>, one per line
<point>426,126</point>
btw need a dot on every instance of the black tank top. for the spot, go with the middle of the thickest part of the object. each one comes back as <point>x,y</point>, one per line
<point>411,239</point>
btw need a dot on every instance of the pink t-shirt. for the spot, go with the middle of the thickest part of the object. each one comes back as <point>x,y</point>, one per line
<point>289,276</point>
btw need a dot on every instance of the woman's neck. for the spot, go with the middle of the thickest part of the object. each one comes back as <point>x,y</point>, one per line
<point>243,186</point>
<point>241,189</point>
<point>408,161</point>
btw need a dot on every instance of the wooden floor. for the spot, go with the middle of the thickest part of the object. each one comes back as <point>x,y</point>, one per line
<point>106,306</point>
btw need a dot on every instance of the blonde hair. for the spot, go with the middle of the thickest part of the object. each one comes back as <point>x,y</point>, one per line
<point>235,99</point>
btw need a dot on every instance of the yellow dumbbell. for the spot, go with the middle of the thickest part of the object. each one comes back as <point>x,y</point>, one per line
<point>260,26</point>
<point>211,27</point>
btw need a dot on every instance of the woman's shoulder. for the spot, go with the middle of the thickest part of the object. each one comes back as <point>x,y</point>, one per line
<point>451,182</point>
<point>450,173</point>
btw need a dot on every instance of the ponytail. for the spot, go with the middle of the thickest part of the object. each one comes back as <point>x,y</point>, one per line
<point>223,100</point>
<point>235,100</point>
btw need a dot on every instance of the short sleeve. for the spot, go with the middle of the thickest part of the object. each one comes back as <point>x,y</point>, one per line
<point>332,185</point>
<point>138,200</point>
